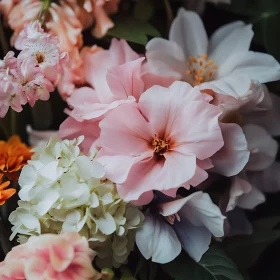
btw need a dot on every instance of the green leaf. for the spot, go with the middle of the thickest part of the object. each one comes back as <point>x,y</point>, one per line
<point>133,30</point>
<point>214,265</point>
<point>143,10</point>
<point>245,250</point>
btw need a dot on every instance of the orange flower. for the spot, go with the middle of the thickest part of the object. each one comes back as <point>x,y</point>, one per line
<point>5,194</point>
<point>13,156</point>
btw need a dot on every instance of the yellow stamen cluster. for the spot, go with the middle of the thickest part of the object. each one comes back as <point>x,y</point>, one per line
<point>200,69</point>
<point>40,57</point>
<point>160,146</point>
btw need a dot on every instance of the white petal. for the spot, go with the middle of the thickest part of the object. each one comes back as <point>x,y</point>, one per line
<point>229,39</point>
<point>200,210</point>
<point>256,66</point>
<point>262,146</point>
<point>89,168</point>
<point>236,86</point>
<point>157,240</point>
<point>188,32</point>
<point>238,188</point>
<point>167,55</point>
<point>234,155</point>
<point>107,224</point>
<point>195,240</point>
<point>27,176</point>
<point>252,199</point>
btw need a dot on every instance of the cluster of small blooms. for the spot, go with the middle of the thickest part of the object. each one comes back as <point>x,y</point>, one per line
<point>63,190</point>
<point>32,75</point>
<point>65,256</point>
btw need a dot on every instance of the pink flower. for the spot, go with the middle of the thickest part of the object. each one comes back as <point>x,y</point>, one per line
<point>100,10</point>
<point>61,257</point>
<point>21,13</point>
<point>162,144</point>
<point>32,31</point>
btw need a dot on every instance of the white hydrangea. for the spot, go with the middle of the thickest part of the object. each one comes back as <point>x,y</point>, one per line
<point>64,190</point>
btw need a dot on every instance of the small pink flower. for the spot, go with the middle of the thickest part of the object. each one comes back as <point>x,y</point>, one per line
<point>31,31</point>
<point>61,257</point>
<point>162,144</point>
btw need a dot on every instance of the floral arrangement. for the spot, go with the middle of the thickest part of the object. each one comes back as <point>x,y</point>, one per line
<point>157,152</point>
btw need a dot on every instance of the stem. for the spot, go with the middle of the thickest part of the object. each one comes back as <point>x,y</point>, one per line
<point>13,119</point>
<point>44,10</point>
<point>169,12</point>
<point>4,129</point>
<point>4,43</point>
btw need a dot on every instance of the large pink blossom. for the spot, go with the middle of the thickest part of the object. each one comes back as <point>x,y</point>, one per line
<point>115,76</point>
<point>162,144</point>
<point>61,257</point>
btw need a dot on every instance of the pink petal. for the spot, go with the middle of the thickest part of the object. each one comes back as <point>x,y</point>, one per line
<point>71,129</point>
<point>125,80</point>
<point>61,254</point>
<point>126,132</point>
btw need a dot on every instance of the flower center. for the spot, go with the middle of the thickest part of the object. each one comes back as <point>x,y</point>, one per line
<point>40,57</point>
<point>200,69</point>
<point>160,146</point>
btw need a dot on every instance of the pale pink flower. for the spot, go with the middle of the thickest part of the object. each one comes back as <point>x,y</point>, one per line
<point>32,31</point>
<point>223,63</point>
<point>162,143</point>
<point>31,82</point>
<point>187,223</point>
<point>48,256</point>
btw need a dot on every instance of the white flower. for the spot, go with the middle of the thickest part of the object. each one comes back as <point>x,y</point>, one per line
<point>223,63</point>
<point>64,190</point>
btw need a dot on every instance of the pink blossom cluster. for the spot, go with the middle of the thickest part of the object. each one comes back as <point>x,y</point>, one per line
<point>62,257</point>
<point>32,75</point>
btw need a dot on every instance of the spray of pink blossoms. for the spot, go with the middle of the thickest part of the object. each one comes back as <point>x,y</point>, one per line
<point>33,74</point>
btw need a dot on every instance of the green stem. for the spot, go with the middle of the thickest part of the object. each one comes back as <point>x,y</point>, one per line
<point>4,43</point>
<point>4,129</point>
<point>13,118</point>
<point>44,10</point>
